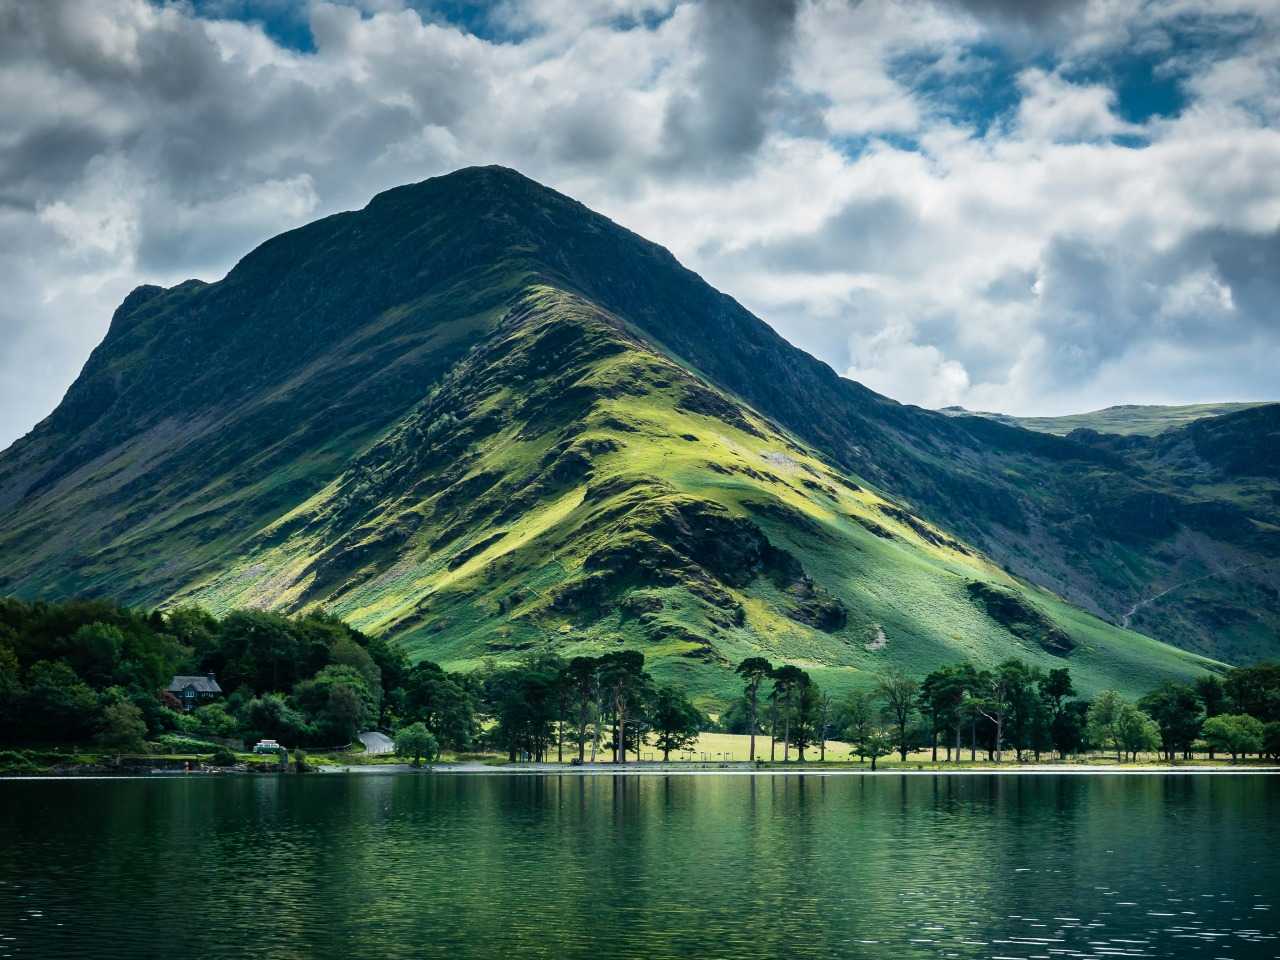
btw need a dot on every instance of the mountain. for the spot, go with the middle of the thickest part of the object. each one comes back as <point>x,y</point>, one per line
<point>483,419</point>
<point>1127,419</point>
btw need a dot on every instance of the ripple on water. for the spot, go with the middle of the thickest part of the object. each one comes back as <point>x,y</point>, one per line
<point>515,867</point>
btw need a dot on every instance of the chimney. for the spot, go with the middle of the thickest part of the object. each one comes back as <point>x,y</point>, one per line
<point>210,678</point>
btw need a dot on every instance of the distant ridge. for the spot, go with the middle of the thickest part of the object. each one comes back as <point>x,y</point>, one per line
<point>1123,419</point>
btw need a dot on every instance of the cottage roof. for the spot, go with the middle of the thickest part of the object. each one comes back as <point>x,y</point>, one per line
<point>204,683</point>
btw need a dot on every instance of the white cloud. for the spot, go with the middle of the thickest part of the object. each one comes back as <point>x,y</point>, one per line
<point>1032,264</point>
<point>1054,109</point>
<point>891,362</point>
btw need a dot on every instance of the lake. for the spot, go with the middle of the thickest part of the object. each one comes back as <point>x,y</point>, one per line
<point>512,866</point>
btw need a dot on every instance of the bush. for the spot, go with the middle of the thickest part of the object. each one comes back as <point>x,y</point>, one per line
<point>222,757</point>
<point>300,762</point>
<point>18,761</point>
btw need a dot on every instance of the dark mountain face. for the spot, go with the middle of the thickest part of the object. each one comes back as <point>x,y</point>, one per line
<point>387,385</point>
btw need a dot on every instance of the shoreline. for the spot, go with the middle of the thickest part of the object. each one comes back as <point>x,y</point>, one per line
<point>743,770</point>
<point>659,769</point>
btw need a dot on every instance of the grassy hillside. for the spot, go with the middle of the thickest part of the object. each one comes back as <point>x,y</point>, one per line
<point>567,486</point>
<point>1125,420</point>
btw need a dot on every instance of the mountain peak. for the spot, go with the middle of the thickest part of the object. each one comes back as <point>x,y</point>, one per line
<point>482,418</point>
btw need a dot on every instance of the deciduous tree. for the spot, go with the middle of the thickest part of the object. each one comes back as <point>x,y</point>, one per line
<point>676,721</point>
<point>417,741</point>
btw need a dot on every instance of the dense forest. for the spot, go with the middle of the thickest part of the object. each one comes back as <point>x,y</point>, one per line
<point>86,672</point>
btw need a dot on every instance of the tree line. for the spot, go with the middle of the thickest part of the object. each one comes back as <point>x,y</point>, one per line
<point>84,671</point>
<point>1015,708</point>
<point>91,671</point>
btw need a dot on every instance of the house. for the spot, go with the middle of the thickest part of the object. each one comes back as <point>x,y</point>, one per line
<point>194,691</point>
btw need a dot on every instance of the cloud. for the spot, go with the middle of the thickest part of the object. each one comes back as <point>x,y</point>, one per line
<point>744,47</point>
<point>1052,108</point>
<point>1019,11</point>
<point>891,362</point>
<point>945,199</point>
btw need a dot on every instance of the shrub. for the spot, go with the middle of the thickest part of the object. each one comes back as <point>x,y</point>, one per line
<point>18,761</point>
<point>222,757</point>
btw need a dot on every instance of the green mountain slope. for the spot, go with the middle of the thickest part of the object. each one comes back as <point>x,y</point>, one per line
<point>1127,419</point>
<point>481,418</point>
<point>567,486</point>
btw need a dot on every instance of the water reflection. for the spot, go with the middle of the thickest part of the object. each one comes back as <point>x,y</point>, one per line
<point>573,866</point>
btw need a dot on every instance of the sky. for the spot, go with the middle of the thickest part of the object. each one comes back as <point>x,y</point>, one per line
<point>1031,207</point>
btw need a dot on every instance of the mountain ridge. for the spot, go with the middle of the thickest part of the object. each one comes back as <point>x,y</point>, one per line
<point>224,409</point>
<point>1122,419</point>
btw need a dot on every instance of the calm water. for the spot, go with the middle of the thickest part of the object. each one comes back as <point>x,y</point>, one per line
<point>696,866</point>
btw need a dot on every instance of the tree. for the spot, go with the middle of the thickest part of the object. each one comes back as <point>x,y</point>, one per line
<point>1235,733</point>
<point>1176,710</point>
<point>261,650</point>
<point>445,703</point>
<point>676,721</point>
<point>1213,698</point>
<point>622,676</point>
<point>1136,732</point>
<point>337,702</point>
<point>1008,698</point>
<point>271,717</point>
<point>824,724</point>
<point>787,681</point>
<point>990,699</point>
<point>753,671</point>
<point>194,628</point>
<point>59,705</point>
<point>736,718</point>
<point>808,708</point>
<point>582,675</point>
<point>213,720</point>
<point>416,741</point>
<point>1212,693</point>
<point>941,696</point>
<point>857,717</point>
<point>1271,740</point>
<point>1055,688</point>
<point>346,652</point>
<point>95,652</point>
<point>1026,711</point>
<point>522,700</point>
<point>121,725</point>
<point>1068,728</point>
<point>1102,727</point>
<point>874,745</point>
<point>898,694</point>
<point>1255,690</point>
<point>11,693</point>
